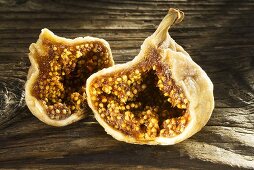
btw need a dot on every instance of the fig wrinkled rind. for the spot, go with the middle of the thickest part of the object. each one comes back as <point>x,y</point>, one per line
<point>55,87</point>
<point>175,103</point>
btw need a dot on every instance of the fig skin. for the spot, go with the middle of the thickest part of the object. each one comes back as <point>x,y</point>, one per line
<point>38,49</point>
<point>190,77</point>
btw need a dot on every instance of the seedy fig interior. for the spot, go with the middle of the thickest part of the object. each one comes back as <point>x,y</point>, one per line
<point>63,72</point>
<point>141,101</point>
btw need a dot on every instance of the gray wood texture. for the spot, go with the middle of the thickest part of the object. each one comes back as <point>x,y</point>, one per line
<point>219,35</point>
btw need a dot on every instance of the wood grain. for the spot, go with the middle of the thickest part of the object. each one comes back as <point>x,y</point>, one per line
<point>217,34</point>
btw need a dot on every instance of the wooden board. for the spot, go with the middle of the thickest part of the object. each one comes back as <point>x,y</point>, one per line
<point>219,35</point>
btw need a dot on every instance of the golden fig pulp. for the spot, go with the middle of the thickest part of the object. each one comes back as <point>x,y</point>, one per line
<point>160,97</point>
<point>55,89</point>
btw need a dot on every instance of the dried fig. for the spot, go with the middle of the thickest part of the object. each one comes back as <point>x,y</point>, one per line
<point>160,97</point>
<point>56,82</point>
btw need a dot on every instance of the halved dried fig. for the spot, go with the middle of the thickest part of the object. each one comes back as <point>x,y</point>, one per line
<point>160,97</point>
<point>56,82</point>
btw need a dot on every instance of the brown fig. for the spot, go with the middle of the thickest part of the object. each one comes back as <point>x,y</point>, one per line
<point>56,82</point>
<point>160,97</point>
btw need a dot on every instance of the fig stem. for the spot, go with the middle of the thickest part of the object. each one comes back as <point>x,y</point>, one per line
<point>174,16</point>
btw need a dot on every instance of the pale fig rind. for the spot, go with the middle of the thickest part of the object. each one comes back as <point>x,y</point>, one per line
<point>196,85</point>
<point>39,50</point>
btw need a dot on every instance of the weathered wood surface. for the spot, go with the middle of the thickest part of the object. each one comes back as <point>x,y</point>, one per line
<point>219,35</point>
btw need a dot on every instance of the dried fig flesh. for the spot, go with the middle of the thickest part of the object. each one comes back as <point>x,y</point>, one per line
<point>56,83</point>
<point>160,97</point>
